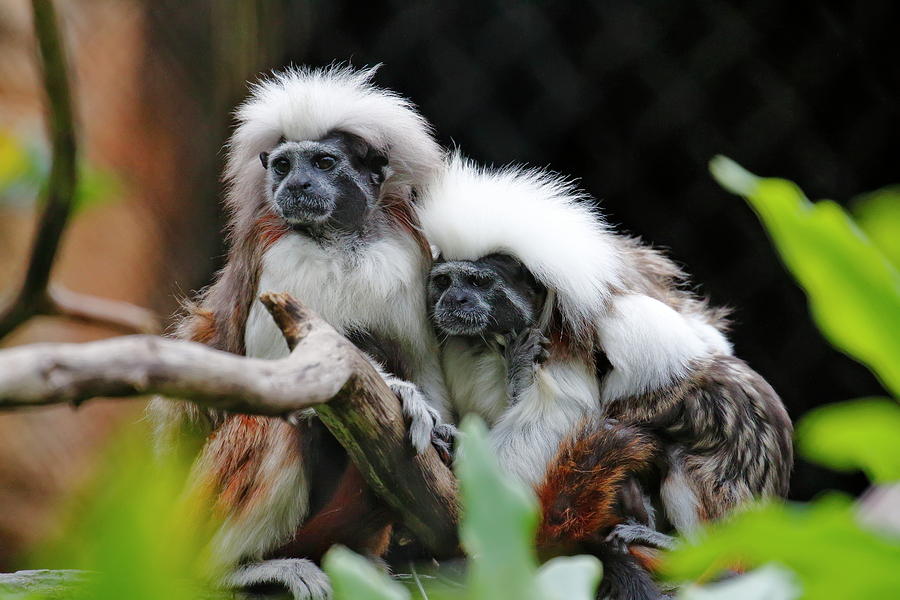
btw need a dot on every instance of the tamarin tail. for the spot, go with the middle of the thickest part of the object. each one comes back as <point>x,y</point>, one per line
<point>581,491</point>
<point>582,498</point>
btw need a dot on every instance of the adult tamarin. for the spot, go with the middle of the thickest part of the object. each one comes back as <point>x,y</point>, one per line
<point>321,172</point>
<point>625,340</point>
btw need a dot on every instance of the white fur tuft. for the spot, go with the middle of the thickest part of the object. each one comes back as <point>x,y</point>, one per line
<point>649,345</point>
<point>305,104</point>
<point>539,217</point>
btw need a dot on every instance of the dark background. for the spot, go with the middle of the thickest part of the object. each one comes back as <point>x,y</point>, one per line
<point>634,98</point>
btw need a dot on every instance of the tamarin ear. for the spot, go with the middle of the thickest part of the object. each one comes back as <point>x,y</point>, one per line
<point>378,164</point>
<point>264,159</point>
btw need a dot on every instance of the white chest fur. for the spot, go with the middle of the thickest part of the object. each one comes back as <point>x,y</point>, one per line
<point>476,380</point>
<point>525,436</point>
<point>379,289</point>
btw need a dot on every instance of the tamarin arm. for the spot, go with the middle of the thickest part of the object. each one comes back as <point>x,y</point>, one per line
<point>524,353</point>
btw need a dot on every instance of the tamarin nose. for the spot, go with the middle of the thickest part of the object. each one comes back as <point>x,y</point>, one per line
<point>298,188</point>
<point>459,299</point>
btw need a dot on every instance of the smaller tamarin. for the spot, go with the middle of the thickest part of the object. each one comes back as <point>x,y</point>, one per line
<point>591,496</point>
<point>626,340</point>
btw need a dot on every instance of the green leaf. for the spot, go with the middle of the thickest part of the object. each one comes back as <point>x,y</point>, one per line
<point>821,542</point>
<point>861,434</point>
<point>570,578</point>
<point>853,290</point>
<point>498,524</point>
<point>355,578</point>
<point>878,214</point>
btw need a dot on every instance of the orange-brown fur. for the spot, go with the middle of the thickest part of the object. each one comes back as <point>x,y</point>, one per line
<point>402,214</point>
<point>354,516</point>
<point>233,455</point>
<point>580,493</point>
<point>590,488</point>
<point>271,229</point>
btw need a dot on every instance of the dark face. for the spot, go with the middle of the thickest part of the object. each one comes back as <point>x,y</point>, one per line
<point>331,183</point>
<point>492,295</point>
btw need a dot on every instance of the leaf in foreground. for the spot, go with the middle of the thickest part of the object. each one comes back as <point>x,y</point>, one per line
<point>878,214</point>
<point>135,528</point>
<point>853,289</point>
<point>821,542</point>
<point>861,434</point>
<point>766,583</point>
<point>353,577</point>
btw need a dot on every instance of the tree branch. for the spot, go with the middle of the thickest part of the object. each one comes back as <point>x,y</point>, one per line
<point>122,316</point>
<point>33,298</point>
<point>63,173</point>
<point>324,371</point>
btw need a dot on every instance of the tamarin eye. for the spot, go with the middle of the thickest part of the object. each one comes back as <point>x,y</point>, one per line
<point>323,163</point>
<point>442,282</point>
<point>479,281</point>
<point>281,166</point>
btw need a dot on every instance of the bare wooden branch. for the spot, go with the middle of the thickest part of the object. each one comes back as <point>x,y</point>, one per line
<point>41,374</point>
<point>33,297</point>
<point>292,318</point>
<point>324,371</point>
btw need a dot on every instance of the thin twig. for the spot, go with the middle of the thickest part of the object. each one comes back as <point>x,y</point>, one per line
<point>412,569</point>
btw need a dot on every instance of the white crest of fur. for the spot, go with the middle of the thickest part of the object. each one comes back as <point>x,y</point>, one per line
<point>306,104</point>
<point>540,218</point>
<point>649,344</point>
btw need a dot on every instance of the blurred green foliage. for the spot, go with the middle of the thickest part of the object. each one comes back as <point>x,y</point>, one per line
<point>769,582</point>
<point>821,542</point>
<point>353,576</point>
<point>24,169</point>
<point>853,289</point>
<point>856,435</point>
<point>854,293</point>
<point>878,214</point>
<point>134,528</point>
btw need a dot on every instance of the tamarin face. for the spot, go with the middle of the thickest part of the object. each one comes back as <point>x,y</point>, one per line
<point>332,182</point>
<point>495,294</point>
